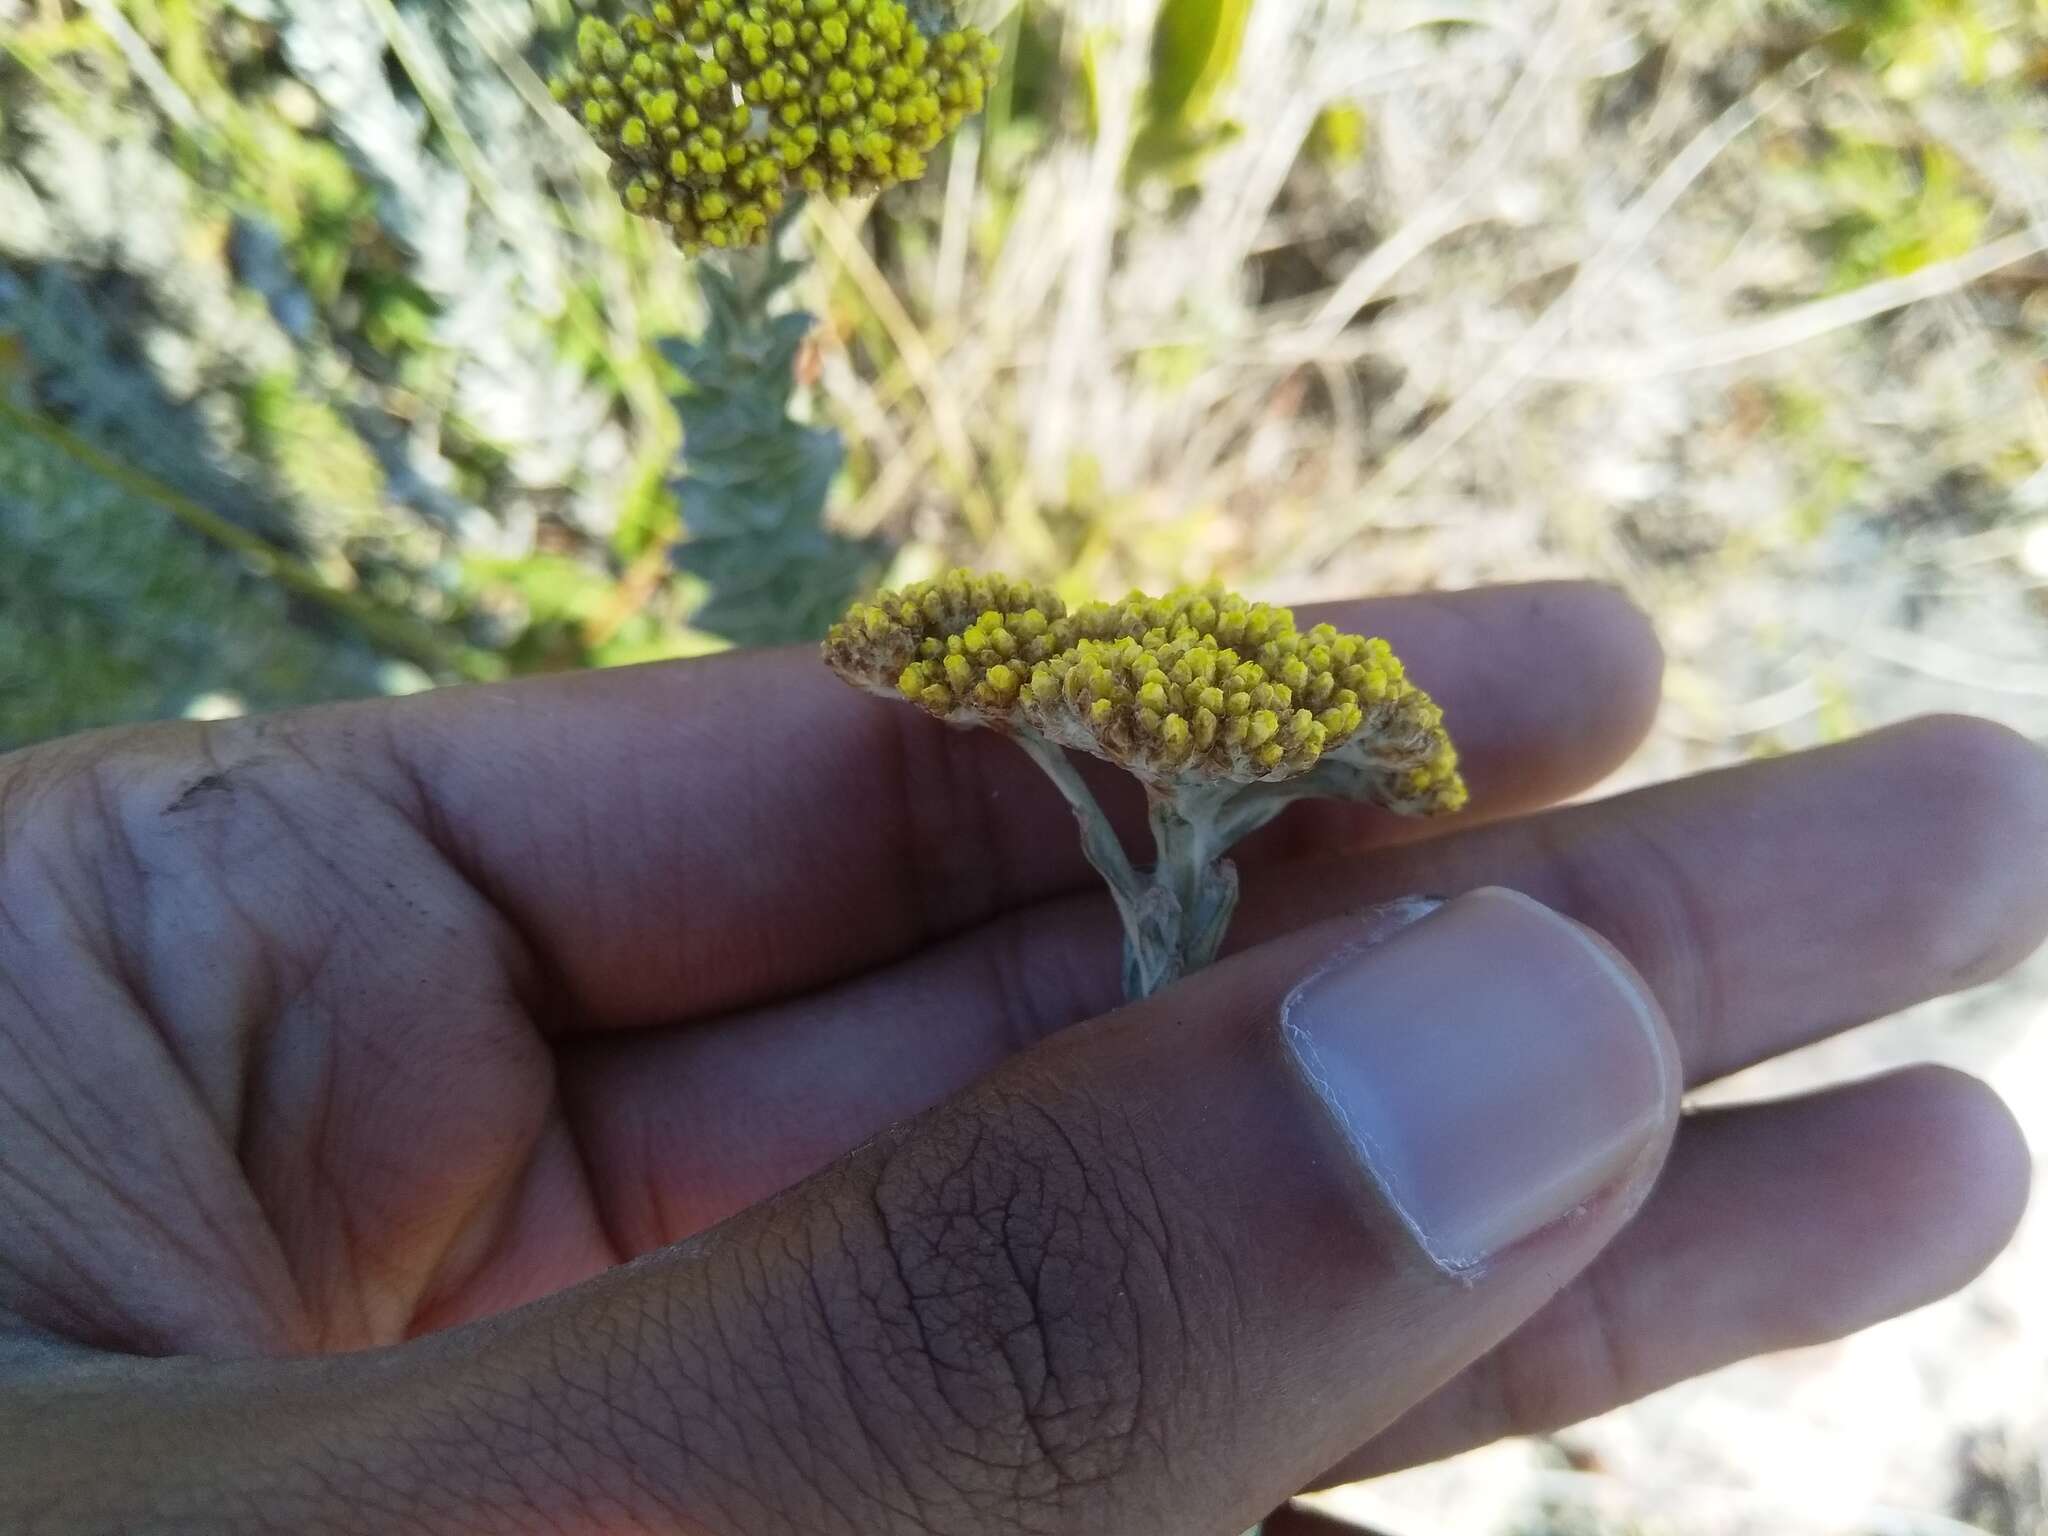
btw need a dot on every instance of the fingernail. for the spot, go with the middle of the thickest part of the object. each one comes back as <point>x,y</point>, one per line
<point>1494,1065</point>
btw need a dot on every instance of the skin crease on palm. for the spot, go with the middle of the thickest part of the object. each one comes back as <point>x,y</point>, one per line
<point>335,1030</point>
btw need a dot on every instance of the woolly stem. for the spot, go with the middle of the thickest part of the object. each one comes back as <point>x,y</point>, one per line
<point>1193,872</point>
<point>1150,904</point>
<point>1176,913</point>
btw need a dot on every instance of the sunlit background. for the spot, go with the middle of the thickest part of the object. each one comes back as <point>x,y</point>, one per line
<point>330,366</point>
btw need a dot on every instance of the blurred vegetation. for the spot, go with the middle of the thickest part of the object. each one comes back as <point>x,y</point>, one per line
<point>106,617</point>
<point>334,274</point>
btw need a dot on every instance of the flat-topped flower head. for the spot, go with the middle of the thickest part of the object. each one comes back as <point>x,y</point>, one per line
<point>1225,709</point>
<point>715,113</point>
<point>1200,687</point>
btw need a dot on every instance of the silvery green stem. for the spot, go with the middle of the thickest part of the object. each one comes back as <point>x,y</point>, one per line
<point>1150,903</point>
<point>1191,868</point>
<point>754,475</point>
<point>1137,898</point>
<point>1098,839</point>
<point>1176,913</point>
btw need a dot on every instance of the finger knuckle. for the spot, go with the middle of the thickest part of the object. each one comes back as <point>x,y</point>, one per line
<point>1629,874</point>
<point>1576,1357</point>
<point>1977,907</point>
<point>1011,1240</point>
<point>1011,1325</point>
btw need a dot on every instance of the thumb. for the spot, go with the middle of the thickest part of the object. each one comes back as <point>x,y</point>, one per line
<point>1151,1277</point>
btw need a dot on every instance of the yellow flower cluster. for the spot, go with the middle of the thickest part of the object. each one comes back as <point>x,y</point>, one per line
<point>716,112</point>
<point>1193,687</point>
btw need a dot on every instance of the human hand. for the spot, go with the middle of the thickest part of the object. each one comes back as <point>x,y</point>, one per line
<point>345,1055</point>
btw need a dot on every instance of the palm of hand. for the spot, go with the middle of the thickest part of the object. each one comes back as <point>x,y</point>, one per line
<point>320,1033</point>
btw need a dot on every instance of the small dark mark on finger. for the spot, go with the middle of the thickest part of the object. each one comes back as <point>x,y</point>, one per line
<point>212,783</point>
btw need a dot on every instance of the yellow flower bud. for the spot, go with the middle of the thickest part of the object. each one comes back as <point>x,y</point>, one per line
<point>1130,682</point>
<point>647,70</point>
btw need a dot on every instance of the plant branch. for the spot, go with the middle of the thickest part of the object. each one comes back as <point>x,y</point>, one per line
<point>1414,458</point>
<point>1806,322</point>
<point>399,633</point>
<point>1098,839</point>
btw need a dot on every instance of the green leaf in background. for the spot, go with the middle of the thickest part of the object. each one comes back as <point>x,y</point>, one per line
<point>1195,49</point>
<point>1091,88</point>
<point>1195,44</point>
<point>1340,135</point>
<point>1912,45</point>
<point>1896,209</point>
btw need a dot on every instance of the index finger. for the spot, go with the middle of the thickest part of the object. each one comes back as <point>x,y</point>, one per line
<point>692,837</point>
